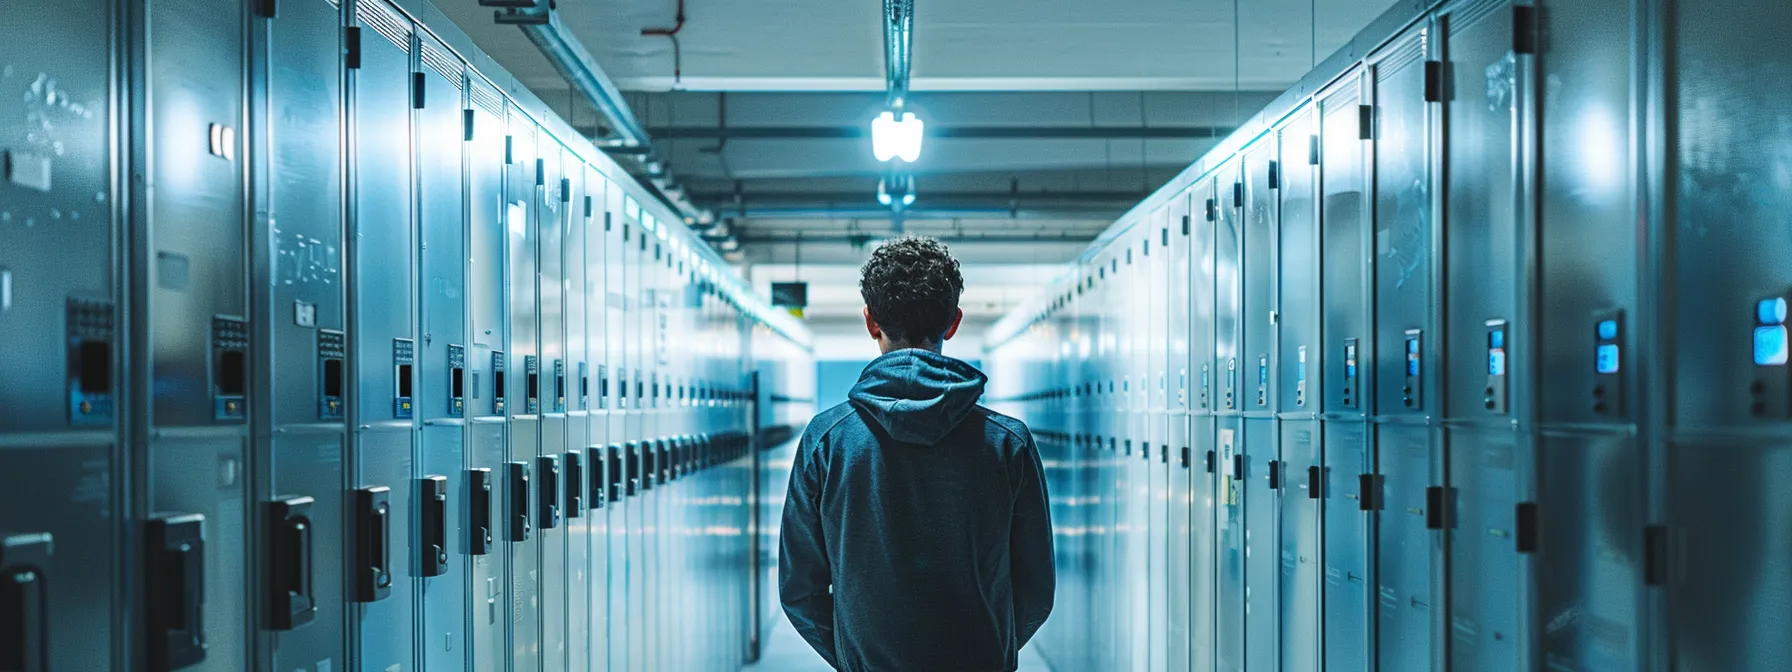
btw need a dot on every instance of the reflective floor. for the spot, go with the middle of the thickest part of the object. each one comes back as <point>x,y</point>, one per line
<point>785,651</point>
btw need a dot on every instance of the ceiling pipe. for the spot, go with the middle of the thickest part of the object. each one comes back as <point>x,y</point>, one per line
<point>724,132</point>
<point>899,42</point>
<point>541,23</point>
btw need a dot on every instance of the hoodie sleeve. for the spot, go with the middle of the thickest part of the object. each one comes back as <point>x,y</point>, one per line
<point>1030,546</point>
<point>803,571</point>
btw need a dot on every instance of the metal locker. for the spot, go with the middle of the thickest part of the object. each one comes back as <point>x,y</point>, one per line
<point>1157,455</point>
<point>438,529</point>
<point>192,361</point>
<point>1591,537</point>
<point>578,417</point>
<point>382,327</point>
<point>1183,468</point>
<point>1407,457</point>
<point>1233,468</point>
<point>1203,582</point>
<point>1298,393</point>
<point>1136,473</point>
<point>1346,349</point>
<point>1487,295</point>
<point>554,193</point>
<point>635,238</point>
<point>524,399</point>
<point>61,410</point>
<point>1724,284</point>
<point>597,237</point>
<point>487,378</point>
<point>616,378</point>
<point>1257,377</point>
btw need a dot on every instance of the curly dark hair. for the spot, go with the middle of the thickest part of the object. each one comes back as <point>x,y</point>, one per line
<point>912,285</point>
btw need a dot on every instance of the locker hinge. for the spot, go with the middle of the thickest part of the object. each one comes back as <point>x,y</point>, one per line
<point>1368,488</point>
<point>1210,460</point>
<point>1237,194</point>
<point>1655,555</point>
<point>1524,29</point>
<point>1275,175</point>
<point>1312,150</point>
<point>351,48</point>
<point>1275,474</point>
<point>1315,482</point>
<point>269,8</point>
<point>1185,219</point>
<point>1238,466</point>
<point>416,90</point>
<point>1434,81</point>
<point>1526,523</point>
<point>1434,507</point>
<point>466,125</point>
<point>1365,122</point>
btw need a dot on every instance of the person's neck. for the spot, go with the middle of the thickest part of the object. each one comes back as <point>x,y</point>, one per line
<point>888,347</point>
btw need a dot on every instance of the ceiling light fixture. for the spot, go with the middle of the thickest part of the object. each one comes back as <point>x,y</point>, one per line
<point>897,138</point>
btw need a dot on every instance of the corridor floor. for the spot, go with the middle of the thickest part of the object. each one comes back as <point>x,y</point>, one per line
<point>785,651</point>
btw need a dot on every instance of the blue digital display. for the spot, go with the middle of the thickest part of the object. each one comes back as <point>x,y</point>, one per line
<point>1300,368</point>
<point>1770,346</point>
<point>1771,311</point>
<point>1262,370</point>
<point>1412,346</point>
<point>1496,362</point>
<point>1605,358</point>
<point>1608,330</point>
<point>1350,361</point>
<point>1496,339</point>
<point>1412,357</point>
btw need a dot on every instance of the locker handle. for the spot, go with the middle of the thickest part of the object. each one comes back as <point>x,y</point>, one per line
<point>549,491</point>
<point>290,601</point>
<point>479,511</point>
<point>1365,489</point>
<point>614,469</point>
<point>175,582</point>
<point>432,491</point>
<point>1315,486</point>
<point>1275,474</point>
<point>1238,466</point>
<point>1526,517</point>
<point>1434,507</point>
<point>24,626</point>
<point>1210,461</point>
<point>1185,456</point>
<point>575,484</point>
<point>373,568</point>
<point>518,512</point>
<point>594,456</point>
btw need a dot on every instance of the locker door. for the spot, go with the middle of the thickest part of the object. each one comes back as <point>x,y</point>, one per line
<point>1408,346</point>
<point>1484,244</point>
<point>1299,391</point>
<point>597,244</point>
<point>573,501</point>
<point>438,529</point>
<point>1156,245</point>
<point>615,390</point>
<point>1183,461</point>
<point>524,399</point>
<point>1264,469</point>
<point>1203,554</point>
<point>1229,531</point>
<point>554,194</point>
<point>384,343</point>
<point>1347,342</point>
<point>638,596</point>
<point>1137,438</point>
<point>488,218</point>
<point>60,409</point>
<point>1727,289</point>
<point>1591,551</point>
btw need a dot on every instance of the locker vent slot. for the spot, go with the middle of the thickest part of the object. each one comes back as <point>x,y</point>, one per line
<point>396,29</point>
<point>444,64</point>
<point>487,99</point>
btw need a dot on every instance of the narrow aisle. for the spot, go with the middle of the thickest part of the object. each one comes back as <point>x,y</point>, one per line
<point>785,651</point>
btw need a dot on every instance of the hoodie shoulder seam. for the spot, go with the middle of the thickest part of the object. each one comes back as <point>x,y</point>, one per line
<point>1003,421</point>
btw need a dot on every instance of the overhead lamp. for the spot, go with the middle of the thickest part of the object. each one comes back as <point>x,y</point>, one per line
<point>903,193</point>
<point>891,139</point>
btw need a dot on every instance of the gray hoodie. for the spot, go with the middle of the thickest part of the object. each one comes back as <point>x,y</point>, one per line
<point>916,533</point>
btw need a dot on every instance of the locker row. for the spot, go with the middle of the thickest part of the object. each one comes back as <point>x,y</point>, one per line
<point>329,347</point>
<point>1468,353</point>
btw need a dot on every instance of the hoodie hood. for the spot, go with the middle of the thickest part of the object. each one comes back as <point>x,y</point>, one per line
<point>917,396</point>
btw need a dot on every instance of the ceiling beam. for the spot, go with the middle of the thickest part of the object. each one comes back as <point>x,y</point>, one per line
<point>987,198</point>
<point>937,132</point>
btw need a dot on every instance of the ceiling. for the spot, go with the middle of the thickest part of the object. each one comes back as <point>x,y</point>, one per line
<point>1046,119</point>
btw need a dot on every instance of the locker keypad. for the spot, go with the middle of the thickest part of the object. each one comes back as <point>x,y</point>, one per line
<point>90,339</point>
<point>498,383</point>
<point>457,377</point>
<point>1495,395</point>
<point>1350,373</point>
<point>1414,363</point>
<point>404,360</point>
<point>531,385</point>
<point>1608,354</point>
<point>332,355</point>
<point>1771,398</point>
<point>230,368</point>
<point>559,386</point>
